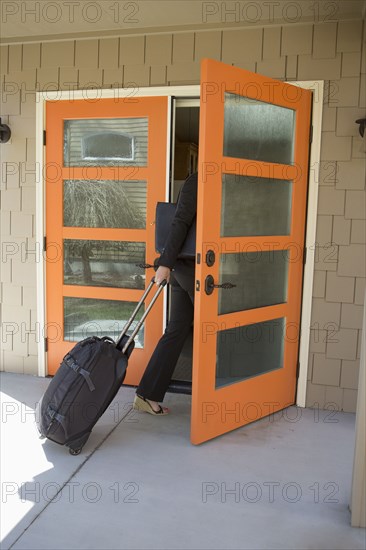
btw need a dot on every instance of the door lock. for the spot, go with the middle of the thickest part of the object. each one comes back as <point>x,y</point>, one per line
<point>210,285</point>
<point>210,258</point>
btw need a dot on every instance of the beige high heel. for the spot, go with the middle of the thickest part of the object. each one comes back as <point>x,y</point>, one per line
<point>141,404</point>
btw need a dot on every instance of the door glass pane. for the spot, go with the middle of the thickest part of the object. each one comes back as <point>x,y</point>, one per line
<point>104,263</point>
<point>118,204</point>
<point>85,317</point>
<point>260,279</point>
<point>255,206</point>
<point>105,142</point>
<point>250,350</point>
<point>257,130</point>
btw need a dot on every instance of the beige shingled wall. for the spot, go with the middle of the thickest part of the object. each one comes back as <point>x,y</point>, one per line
<point>330,51</point>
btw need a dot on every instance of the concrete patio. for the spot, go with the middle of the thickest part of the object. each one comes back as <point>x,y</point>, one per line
<point>281,482</point>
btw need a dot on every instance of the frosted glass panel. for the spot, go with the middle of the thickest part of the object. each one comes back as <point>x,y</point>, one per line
<point>260,279</point>
<point>257,130</point>
<point>84,317</point>
<point>255,206</point>
<point>105,142</point>
<point>104,263</point>
<point>119,204</point>
<point>250,350</point>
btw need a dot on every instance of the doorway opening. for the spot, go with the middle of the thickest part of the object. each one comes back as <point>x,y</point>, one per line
<point>185,137</point>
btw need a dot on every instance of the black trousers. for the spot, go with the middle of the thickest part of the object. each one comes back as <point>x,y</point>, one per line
<point>160,368</point>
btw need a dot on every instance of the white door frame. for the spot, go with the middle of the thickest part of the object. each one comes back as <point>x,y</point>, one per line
<point>126,95</point>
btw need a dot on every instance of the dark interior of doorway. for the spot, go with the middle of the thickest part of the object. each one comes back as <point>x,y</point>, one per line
<point>185,163</point>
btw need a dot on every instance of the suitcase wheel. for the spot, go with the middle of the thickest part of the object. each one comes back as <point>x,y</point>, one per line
<point>75,451</point>
<point>76,446</point>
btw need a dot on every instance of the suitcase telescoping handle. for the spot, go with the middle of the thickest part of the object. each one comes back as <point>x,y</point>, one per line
<point>136,310</point>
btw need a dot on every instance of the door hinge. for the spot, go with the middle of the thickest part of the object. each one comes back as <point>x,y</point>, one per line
<point>304,256</point>
<point>44,137</point>
<point>198,286</point>
<point>46,344</point>
<point>297,369</point>
<point>311,134</point>
<point>198,258</point>
<point>44,244</point>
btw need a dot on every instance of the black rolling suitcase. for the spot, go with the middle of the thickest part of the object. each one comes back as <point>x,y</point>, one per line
<point>86,382</point>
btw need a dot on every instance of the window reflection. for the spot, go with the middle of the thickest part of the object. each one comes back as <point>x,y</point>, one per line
<point>250,350</point>
<point>119,204</point>
<point>84,317</point>
<point>104,263</point>
<point>108,146</point>
<point>257,130</point>
<point>255,206</point>
<point>105,142</point>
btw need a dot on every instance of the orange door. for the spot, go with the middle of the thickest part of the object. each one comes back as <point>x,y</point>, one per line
<point>106,169</point>
<point>253,173</point>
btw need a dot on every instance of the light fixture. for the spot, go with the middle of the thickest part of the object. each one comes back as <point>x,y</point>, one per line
<point>5,133</point>
<point>362,126</point>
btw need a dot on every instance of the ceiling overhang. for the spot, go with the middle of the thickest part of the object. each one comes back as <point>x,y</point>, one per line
<point>34,21</point>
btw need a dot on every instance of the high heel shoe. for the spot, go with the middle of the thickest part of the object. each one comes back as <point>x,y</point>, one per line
<point>142,404</point>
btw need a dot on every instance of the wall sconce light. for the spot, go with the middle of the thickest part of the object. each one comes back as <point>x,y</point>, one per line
<point>362,126</point>
<point>5,133</point>
<point>361,129</point>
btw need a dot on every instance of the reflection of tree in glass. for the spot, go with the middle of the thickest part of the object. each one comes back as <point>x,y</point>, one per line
<point>83,310</point>
<point>86,254</point>
<point>100,204</point>
<point>104,263</point>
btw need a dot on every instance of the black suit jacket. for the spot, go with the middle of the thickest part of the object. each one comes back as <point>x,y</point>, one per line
<point>184,216</point>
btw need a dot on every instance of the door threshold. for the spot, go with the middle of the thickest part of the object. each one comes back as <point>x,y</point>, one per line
<point>179,386</point>
<point>176,386</point>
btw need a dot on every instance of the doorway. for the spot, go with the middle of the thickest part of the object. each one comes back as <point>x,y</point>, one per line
<point>216,165</point>
<point>185,141</point>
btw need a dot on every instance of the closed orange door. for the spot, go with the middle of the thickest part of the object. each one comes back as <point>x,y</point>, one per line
<point>252,190</point>
<point>106,169</point>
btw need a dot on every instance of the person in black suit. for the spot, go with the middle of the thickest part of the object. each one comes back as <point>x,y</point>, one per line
<point>180,274</point>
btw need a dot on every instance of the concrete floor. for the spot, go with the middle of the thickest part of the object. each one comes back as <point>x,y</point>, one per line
<point>282,482</point>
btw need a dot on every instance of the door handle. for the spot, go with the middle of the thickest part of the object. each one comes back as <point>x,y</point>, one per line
<point>210,285</point>
<point>145,266</point>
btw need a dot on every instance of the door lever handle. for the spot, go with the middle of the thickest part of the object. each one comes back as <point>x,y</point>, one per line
<point>210,285</point>
<point>144,266</point>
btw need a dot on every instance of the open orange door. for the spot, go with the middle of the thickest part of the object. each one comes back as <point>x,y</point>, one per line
<point>252,191</point>
<point>106,170</point>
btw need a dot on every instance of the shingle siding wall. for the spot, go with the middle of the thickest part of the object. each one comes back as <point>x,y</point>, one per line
<point>334,52</point>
